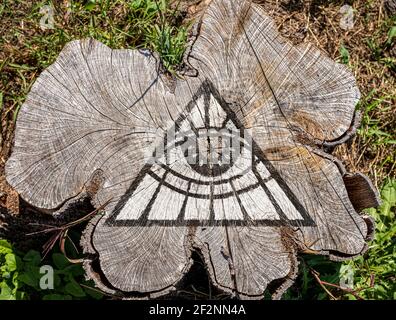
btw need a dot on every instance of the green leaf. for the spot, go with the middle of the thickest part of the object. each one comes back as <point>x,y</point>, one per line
<point>388,194</point>
<point>57,281</point>
<point>91,291</point>
<point>5,244</point>
<point>31,276</point>
<point>75,270</point>
<point>74,289</point>
<point>6,292</point>
<point>15,282</point>
<point>28,279</point>
<point>345,57</point>
<point>54,296</point>
<point>5,247</point>
<point>20,295</point>
<point>32,257</point>
<point>391,35</point>
<point>380,259</point>
<point>60,261</point>
<point>11,262</point>
<point>90,5</point>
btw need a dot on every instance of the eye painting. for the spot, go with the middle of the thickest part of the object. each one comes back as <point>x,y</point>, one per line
<point>209,172</point>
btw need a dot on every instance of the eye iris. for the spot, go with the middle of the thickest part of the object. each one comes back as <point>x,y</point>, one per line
<point>212,152</point>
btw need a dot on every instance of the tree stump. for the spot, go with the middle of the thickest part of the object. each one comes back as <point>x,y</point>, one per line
<point>232,162</point>
<point>391,6</point>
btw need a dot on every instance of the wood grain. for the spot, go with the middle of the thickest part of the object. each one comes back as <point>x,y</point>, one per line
<point>102,110</point>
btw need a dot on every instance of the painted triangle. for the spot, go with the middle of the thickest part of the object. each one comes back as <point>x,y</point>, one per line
<point>203,185</point>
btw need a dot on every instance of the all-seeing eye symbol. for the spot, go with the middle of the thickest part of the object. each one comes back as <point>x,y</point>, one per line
<point>208,172</point>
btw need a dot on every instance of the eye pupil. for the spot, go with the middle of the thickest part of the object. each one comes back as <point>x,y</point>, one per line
<point>209,171</point>
<point>213,151</point>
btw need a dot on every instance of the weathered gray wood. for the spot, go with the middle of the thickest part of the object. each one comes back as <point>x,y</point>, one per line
<point>391,6</point>
<point>102,110</point>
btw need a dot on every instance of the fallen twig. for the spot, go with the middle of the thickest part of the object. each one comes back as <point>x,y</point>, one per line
<point>61,233</point>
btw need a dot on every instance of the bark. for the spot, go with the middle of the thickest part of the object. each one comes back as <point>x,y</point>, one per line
<point>98,110</point>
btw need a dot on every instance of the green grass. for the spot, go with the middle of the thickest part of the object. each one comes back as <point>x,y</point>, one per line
<point>380,45</point>
<point>319,278</point>
<point>373,273</point>
<point>27,49</point>
<point>372,129</point>
<point>150,24</point>
<point>158,32</point>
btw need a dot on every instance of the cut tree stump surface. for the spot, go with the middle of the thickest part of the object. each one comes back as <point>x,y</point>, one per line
<point>94,121</point>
